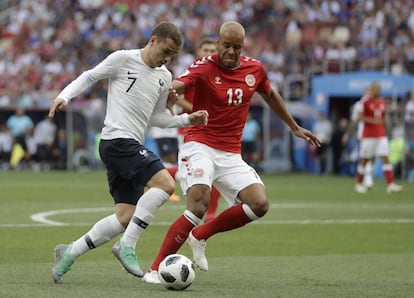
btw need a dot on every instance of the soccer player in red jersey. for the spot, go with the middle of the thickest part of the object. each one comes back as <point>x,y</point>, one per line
<point>374,139</point>
<point>359,125</point>
<point>224,84</point>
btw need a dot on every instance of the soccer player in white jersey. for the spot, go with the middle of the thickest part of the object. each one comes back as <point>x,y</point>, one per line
<point>374,139</point>
<point>138,94</point>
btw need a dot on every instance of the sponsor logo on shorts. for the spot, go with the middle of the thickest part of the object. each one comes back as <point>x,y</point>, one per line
<point>144,153</point>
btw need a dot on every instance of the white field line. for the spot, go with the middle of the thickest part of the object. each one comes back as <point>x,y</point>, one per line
<point>41,219</point>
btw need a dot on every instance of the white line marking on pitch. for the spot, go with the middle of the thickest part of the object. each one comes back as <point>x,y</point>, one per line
<point>42,218</point>
<point>259,222</point>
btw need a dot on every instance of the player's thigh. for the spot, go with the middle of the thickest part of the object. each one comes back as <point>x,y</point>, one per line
<point>233,175</point>
<point>195,166</point>
<point>129,168</point>
<point>367,148</point>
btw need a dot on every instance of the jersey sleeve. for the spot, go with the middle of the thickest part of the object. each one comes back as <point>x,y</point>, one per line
<point>106,69</point>
<point>193,72</point>
<point>166,120</point>
<point>264,83</point>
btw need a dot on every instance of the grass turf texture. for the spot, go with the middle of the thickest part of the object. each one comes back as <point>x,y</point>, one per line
<point>319,239</point>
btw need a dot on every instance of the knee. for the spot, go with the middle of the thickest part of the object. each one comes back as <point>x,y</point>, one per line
<point>124,222</point>
<point>124,217</point>
<point>164,181</point>
<point>198,199</point>
<point>260,207</point>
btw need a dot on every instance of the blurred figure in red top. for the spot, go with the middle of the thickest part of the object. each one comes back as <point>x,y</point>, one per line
<point>205,47</point>
<point>374,139</point>
<point>224,84</point>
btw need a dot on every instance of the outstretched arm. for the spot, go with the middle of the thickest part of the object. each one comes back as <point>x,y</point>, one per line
<point>57,105</point>
<point>103,70</point>
<point>278,106</point>
<point>165,119</point>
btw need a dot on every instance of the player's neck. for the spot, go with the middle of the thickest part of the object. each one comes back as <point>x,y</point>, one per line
<point>145,57</point>
<point>231,68</point>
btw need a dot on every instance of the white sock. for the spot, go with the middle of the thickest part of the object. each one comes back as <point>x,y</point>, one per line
<point>147,206</point>
<point>192,218</point>
<point>368,169</point>
<point>249,212</point>
<point>104,230</point>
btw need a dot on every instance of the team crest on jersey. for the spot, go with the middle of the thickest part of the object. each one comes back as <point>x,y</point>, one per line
<point>217,80</point>
<point>250,80</point>
<point>161,87</point>
<point>198,173</point>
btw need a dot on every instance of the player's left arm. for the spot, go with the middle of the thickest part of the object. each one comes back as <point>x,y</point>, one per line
<point>163,117</point>
<point>277,104</point>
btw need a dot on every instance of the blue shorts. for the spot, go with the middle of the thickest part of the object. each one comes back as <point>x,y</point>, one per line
<point>129,167</point>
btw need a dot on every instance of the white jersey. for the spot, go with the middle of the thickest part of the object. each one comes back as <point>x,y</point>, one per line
<point>137,95</point>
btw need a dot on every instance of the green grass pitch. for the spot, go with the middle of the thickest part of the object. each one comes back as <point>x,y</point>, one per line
<point>319,239</point>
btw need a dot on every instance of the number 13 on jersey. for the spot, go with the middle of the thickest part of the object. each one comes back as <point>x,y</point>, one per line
<point>234,96</point>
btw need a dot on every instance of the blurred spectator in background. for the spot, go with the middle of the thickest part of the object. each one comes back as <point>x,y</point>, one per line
<point>397,145</point>
<point>338,146</point>
<point>250,139</point>
<point>323,130</point>
<point>44,136</point>
<point>60,151</point>
<point>167,143</point>
<point>6,141</point>
<point>20,126</point>
<point>409,111</point>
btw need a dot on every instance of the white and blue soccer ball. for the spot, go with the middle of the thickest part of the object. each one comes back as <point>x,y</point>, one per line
<point>176,272</point>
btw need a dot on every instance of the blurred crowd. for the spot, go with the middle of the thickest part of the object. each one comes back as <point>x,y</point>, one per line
<point>44,44</point>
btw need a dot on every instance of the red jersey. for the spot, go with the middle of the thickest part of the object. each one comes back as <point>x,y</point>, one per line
<point>374,108</point>
<point>225,94</point>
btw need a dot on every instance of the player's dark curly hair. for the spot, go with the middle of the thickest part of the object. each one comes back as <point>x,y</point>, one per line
<point>166,30</point>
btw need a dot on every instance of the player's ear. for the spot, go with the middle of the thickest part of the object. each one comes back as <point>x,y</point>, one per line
<point>153,40</point>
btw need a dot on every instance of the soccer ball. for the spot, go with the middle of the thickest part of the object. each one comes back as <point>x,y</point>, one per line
<point>176,272</point>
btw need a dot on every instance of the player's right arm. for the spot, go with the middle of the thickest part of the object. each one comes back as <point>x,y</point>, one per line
<point>107,68</point>
<point>276,103</point>
<point>57,105</point>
